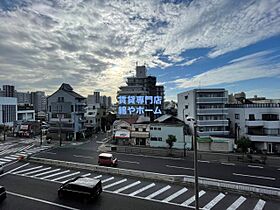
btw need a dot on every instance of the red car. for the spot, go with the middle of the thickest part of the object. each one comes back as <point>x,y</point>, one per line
<point>107,159</point>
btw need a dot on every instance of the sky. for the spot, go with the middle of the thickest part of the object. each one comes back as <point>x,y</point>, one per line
<point>94,45</point>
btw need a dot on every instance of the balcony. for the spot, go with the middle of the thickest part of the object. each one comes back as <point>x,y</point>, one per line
<point>213,133</point>
<point>273,139</point>
<point>216,100</point>
<point>263,123</point>
<point>220,111</point>
<point>212,122</point>
<point>139,134</point>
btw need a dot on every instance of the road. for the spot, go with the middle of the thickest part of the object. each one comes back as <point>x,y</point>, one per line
<point>39,184</point>
<point>243,173</point>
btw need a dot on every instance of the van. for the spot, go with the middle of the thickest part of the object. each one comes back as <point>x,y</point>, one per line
<point>81,188</point>
<point>107,159</point>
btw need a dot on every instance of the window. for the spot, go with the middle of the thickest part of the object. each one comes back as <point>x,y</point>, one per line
<point>50,108</point>
<point>159,128</point>
<point>186,97</point>
<point>136,129</point>
<point>186,106</point>
<point>251,117</point>
<point>151,128</point>
<point>237,116</point>
<point>90,121</point>
<point>144,129</point>
<point>153,139</point>
<point>72,108</point>
<point>60,99</point>
<point>159,139</point>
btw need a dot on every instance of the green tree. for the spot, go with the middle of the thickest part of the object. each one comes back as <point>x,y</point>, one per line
<point>170,141</point>
<point>243,144</point>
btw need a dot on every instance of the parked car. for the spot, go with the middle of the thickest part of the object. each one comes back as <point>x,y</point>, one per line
<point>1,169</point>
<point>107,159</point>
<point>81,188</point>
<point>2,193</point>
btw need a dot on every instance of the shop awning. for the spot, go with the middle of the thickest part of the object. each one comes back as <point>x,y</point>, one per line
<point>122,134</point>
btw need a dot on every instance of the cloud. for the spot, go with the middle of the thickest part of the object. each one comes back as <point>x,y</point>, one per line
<point>95,44</point>
<point>189,62</point>
<point>243,68</point>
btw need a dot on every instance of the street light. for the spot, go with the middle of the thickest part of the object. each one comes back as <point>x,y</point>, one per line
<point>192,121</point>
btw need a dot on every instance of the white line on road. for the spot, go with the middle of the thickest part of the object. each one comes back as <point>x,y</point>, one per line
<point>175,195</point>
<point>203,161</point>
<point>158,192</point>
<point>253,166</point>
<point>127,187</point>
<point>228,164</point>
<point>216,200</point>
<point>142,189</point>
<point>5,160</point>
<point>260,205</point>
<point>192,199</point>
<point>52,175</point>
<point>11,158</point>
<point>68,175</point>
<point>97,177</point>
<point>47,172</point>
<point>43,201</point>
<point>253,176</point>
<point>29,169</point>
<point>107,180</point>
<point>125,161</point>
<point>237,203</point>
<point>82,156</point>
<point>36,171</point>
<point>8,172</point>
<point>115,183</point>
<point>86,175</point>
<point>150,156</point>
<point>52,153</point>
<point>169,166</point>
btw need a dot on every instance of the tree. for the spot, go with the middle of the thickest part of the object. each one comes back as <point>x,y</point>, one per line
<point>170,140</point>
<point>243,144</point>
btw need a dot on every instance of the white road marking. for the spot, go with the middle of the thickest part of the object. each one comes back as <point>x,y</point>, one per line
<point>260,205</point>
<point>150,156</point>
<point>68,175</point>
<point>97,177</point>
<point>203,161</point>
<point>175,195</point>
<point>192,199</point>
<point>42,201</point>
<point>29,169</point>
<point>86,175</point>
<point>115,183</point>
<point>237,203</point>
<point>5,160</point>
<point>158,192</point>
<point>52,153</point>
<point>228,164</point>
<point>106,180</point>
<point>11,158</point>
<point>47,172</point>
<point>253,166</point>
<point>212,203</point>
<point>125,161</point>
<point>253,176</point>
<point>142,189</point>
<point>11,171</point>
<point>127,187</point>
<point>82,156</point>
<point>36,171</point>
<point>52,175</point>
<point>169,166</point>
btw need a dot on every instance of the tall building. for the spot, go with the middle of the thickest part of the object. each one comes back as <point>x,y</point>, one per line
<point>207,107</point>
<point>8,91</point>
<point>8,110</point>
<point>23,97</point>
<point>66,110</point>
<point>39,101</point>
<point>141,96</point>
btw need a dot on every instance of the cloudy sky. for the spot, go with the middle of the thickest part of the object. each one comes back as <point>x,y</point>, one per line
<point>94,45</point>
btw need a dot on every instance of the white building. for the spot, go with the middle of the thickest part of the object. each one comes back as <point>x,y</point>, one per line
<point>260,122</point>
<point>8,110</point>
<point>207,106</point>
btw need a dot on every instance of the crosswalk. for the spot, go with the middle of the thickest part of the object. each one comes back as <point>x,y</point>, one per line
<point>160,192</point>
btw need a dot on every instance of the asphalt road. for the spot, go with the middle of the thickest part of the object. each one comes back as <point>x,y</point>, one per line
<point>34,186</point>
<point>243,173</point>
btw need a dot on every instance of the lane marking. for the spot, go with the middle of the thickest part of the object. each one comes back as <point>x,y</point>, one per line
<point>175,195</point>
<point>203,161</point>
<point>237,203</point>
<point>142,189</point>
<point>42,201</point>
<point>52,175</point>
<point>107,180</point>
<point>253,176</point>
<point>86,175</point>
<point>154,194</point>
<point>179,167</point>
<point>254,166</point>
<point>52,153</point>
<point>228,164</point>
<point>125,161</point>
<point>97,177</point>
<point>149,156</point>
<point>29,169</point>
<point>11,158</point>
<point>216,200</point>
<point>260,205</point>
<point>47,172</point>
<point>115,183</point>
<point>192,199</point>
<point>127,187</point>
<point>5,160</point>
<point>68,175</point>
<point>39,170</point>
<point>82,156</point>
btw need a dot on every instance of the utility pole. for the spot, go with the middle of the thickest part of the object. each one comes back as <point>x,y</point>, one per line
<point>41,133</point>
<point>195,168</point>
<point>4,129</point>
<point>60,139</point>
<point>184,133</point>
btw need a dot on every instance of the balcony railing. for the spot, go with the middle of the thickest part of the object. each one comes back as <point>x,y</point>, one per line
<point>212,122</point>
<point>212,100</point>
<point>221,111</point>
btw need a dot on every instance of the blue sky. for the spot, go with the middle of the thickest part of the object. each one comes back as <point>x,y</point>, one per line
<point>94,45</point>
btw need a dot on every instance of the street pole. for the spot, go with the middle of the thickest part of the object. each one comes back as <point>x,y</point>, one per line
<point>195,168</point>
<point>4,131</point>
<point>41,133</point>
<point>184,133</point>
<point>60,139</point>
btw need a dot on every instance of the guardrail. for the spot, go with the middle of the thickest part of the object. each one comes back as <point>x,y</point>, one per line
<point>181,179</point>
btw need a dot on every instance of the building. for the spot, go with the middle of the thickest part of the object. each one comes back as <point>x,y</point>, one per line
<point>141,96</point>
<point>259,121</point>
<point>39,101</point>
<point>93,116</point>
<point>66,110</point>
<point>23,97</point>
<point>8,91</point>
<point>169,125</point>
<point>8,110</point>
<point>25,112</point>
<point>207,107</point>
<point>140,132</point>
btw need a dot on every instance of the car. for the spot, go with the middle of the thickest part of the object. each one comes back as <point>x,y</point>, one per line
<point>1,169</point>
<point>2,193</point>
<point>81,188</point>
<point>107,159</point>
